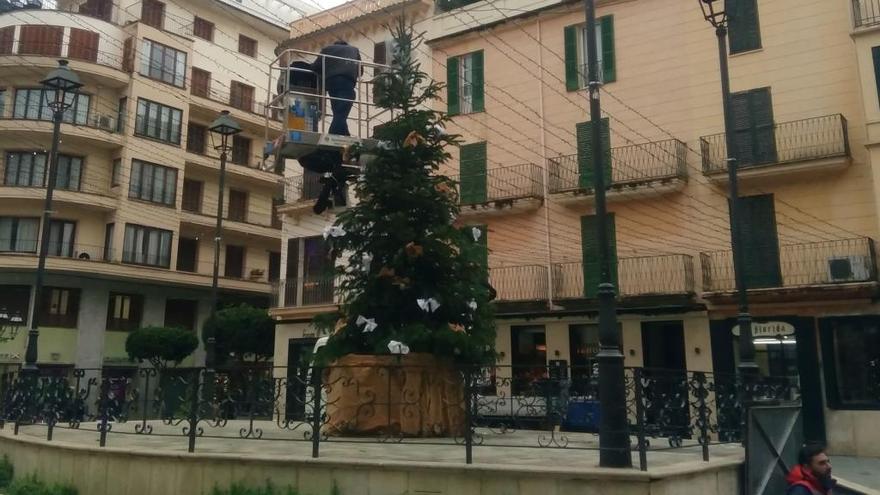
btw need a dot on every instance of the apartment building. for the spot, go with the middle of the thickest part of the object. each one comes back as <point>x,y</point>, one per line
<point>132,229</point>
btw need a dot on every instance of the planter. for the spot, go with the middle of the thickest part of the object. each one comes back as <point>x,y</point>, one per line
<point>417,395</point>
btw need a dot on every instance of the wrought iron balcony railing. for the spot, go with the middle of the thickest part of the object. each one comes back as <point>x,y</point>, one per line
<point>302,188</point>
<point>304,291</point>
<point>519,283</point>
<point>630,166</point>
<point>797,141</point>
<point>501,184</point>
<point>797,265</point>
<point>641,276</point>
<point>866,13</point>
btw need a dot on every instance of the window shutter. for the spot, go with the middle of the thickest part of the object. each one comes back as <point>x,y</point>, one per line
<point>235,94</point>
<point>200,82</point>
<point>572,79</point>
<point>585,153</point>
<point>875,52</point>
<point>379,54</point>
<point>452,99</point>
<point>609,65</point>
<point>760,243</point>
<point>127,55</point>
<point>7,37</point>
<point>765,133</point>
<point>40,40</point>
<point>478,82</point>
<point>83,45</point>
<point>742,128</point>
<point>590,251</point>
<point>745,33</point>
<point>472,165</point>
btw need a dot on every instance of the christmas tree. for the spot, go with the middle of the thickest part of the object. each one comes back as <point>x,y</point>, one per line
<point>409,277</point>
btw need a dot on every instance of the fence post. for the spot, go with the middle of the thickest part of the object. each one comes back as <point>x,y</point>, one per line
<point>194,408</point>
<point>640,419</point>
<point>103,408</point>
<point>317,388</point>
<point>468,416</point>
<point>702,412</point>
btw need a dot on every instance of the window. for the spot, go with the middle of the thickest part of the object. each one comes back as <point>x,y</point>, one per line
<point>472,165</point>
<point>32,104</point>
<point>124,312</point>
<point>40,40</point>
<point>2,103</point>
<point>117,172</point>
<point>146,246</point>
<point>108,241</point>
<point>851,356</point>
<point>102,9</point>
<point>163,63</point>
<point>237,205</point>
<point>154,183</point>
<point>241,150</point>
<point>464,76</point>
<point>744,30</point>
<point>576,68</point>
<point>187,254</point>
<point>28,169</point>
<point>234,267</point>
<point>181,313</point>
<point>196,138</point>
<point>274,266</point>
<point>16,300</point>
<point>7,38</point>
<point>203,29</point>
<point>158,121</point>
<point>192,195</point>
<point>153,13</point>
<point>83,45</point>
<point>19,234</point>
<point>753,126</point>
<point>121,114</point>
<point>200,84</point>
<point>246,45</point>
<point>241,96</point>
<point>59,307</point>
<point>61,238</point>
<point>528,357</point>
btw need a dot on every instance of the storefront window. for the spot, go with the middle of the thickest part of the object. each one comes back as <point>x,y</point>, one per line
<point>529,358</point>
<point>584,344</point>
<point>851,347</point>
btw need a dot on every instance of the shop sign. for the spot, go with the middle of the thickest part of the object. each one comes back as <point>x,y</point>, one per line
<point>766,329</point>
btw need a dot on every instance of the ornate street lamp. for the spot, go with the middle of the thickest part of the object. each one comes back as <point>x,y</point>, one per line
<point>10,324</point>
<point>61,85</point>
<point>223,128</point>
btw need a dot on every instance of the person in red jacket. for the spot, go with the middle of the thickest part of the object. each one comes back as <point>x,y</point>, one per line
<point>812,475</point>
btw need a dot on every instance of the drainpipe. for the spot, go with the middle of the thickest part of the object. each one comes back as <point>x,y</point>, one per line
<point>544,170</point>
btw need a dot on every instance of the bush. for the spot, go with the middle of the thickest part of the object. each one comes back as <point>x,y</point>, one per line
<point>268,489</point>
<point>6,472</point>
<point>30,485</point>
<point>161,345</point>
<point>241,331</point>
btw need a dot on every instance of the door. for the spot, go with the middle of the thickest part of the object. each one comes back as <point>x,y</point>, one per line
<point>234,261</point>
<point>666,397</point>
<point>238,205</point>
<point>317,272</point>
<point>760,243</point>
<point>472,158</point>
<point>299,359</point>
<point>187,254</point>
<point>590,251</point>
<point>61,238</point>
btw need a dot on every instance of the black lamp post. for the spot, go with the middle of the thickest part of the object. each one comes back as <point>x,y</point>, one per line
<point>223,127</point>
<point>60,84</point>
<point>713,11</point>
<point>10,324</point>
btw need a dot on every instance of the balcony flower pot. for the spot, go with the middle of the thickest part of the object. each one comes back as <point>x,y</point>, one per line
<point>415,395</point>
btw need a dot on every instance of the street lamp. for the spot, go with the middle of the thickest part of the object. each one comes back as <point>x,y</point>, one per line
<point>223,127</point>
<point>713,11</point>
<point>10,324</point>
<point>60,84</point>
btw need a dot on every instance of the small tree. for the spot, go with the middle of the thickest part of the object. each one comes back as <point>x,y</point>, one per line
<point>161,345</point>
<point>241,332</point>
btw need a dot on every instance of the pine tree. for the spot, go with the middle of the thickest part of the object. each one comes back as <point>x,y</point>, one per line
<point>410,274</point>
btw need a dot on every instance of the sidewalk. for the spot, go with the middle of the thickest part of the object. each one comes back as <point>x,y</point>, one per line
<point>864,471</point>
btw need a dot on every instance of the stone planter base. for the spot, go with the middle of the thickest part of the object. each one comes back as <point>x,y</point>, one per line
<point>417,395</point>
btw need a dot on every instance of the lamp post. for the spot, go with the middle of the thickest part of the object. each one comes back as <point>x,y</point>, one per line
<point>223,127</point>
<point>713,11</point>
<point>59,84</point>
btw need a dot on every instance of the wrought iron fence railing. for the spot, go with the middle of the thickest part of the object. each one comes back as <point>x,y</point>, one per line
<point>866,13</point>
<point>501,184</point>
<point>302,188</point>
<point>519,283</point>
<point>304,291</point>
<point>630,165</point>
<point>796,265</point>
<point>800,140</point>
<point>640,276</point>
<point>534,406</point>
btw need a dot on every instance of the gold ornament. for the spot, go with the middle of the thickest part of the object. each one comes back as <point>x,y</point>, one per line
<point>413,250</point>
<point>413,139</point>
<point>386,272</point>
<point>455,327</point>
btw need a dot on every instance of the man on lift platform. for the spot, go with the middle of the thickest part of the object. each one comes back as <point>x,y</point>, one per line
<point>339,66</point>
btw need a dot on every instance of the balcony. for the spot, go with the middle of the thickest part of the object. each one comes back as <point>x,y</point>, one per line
<point>250,224</point>
<point>646,276</point>
<point>300,193</point>
<point>97,130</point>
<point>206,103</point>
<point>515,188</point>
<point>640,169</point>
<point>839,264</point>
<point>519,283</point>
<point>303,298</point>
<point>866,13</point>
<point>256,169</point>
<point>818,143</point>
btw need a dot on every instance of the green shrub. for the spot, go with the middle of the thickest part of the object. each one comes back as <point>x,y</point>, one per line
<point>30,485</point>
<point>6,472</point>
<point>268,489</point>
<point>160,345</point>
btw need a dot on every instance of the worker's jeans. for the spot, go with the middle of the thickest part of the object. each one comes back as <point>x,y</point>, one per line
<point>340,87</point>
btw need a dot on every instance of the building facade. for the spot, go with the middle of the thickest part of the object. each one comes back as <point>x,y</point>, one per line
<point>132,227</point>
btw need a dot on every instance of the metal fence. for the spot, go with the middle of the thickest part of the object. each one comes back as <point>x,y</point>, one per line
<point>304,291</point>
<point>501,184</point>
<point>800,265</point>
<point>533,406</point>
<point>519,283</point>
<point>800,140</point>
<point>640,276</point>
<point>866,13</point>
<point>302,188</point>
<point>630,165</point>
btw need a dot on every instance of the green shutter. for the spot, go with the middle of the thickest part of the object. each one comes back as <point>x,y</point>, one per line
<point>745,32</point>
<point>452,99</point>
<point>753,126</point>
<point>609,65</point>
<point>478,82</point>
<point>585,153</point>
<point>472,167</point>
<point>760,242</point>
<point>590,250</point>
<point>572,79</point>
<point>875,52</point>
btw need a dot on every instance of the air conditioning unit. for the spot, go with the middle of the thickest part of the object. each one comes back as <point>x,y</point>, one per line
<point>104,122</point>
<point>849,269</point>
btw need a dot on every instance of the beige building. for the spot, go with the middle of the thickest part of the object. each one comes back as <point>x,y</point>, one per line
<point>132,229</point>
<point>802,123</point>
